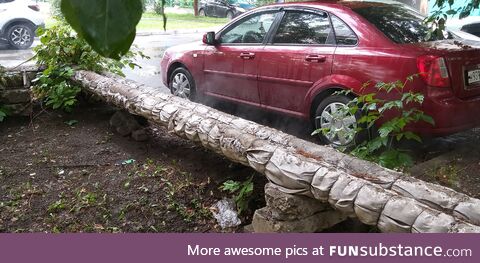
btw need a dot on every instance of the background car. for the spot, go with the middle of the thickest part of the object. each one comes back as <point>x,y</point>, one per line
<point>469,25</point>
<point>472,28</point>
<point>18,21</point>
<point>223,8</point>
<point>295,58</point>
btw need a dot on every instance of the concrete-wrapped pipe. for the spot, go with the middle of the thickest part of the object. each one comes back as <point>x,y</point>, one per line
<point>377,196</point>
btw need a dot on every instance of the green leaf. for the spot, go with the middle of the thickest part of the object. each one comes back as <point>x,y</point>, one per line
<point>412,136</point>
<point>230,186</point>
<point>107,25</point>
<point>386,129</point>
<point>376,143</point>
<point>2,115</point>
<point>71,122</point>
<point>395,159</point>
<point>427,119</point>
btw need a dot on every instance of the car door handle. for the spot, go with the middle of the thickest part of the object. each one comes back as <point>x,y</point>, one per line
<point>316,58</point>
<point>247,55</point>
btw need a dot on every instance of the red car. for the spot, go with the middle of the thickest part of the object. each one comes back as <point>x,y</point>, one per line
<point>292,58</point>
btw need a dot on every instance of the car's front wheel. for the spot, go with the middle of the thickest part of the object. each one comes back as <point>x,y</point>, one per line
<point>201,12</point>
<point>337,124</point>
<point>20,36</point>
<point>182,84</point>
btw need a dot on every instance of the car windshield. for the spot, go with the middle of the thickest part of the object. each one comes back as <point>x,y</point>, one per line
<point>397,21</point>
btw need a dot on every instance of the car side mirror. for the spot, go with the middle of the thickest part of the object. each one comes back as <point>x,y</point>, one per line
<point>209,38</point>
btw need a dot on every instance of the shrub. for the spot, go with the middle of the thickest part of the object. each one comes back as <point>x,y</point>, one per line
<point>60,52</point>
<point>383,148</point>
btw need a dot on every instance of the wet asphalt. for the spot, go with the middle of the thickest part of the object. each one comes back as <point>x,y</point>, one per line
<point>151,45</point>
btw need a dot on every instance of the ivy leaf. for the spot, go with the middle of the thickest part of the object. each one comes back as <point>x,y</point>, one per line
<point>107,25</point>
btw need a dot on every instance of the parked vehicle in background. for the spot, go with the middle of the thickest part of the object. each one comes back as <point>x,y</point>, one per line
<point>293,58</point>
<point>472,28</point>
<point>18,21</point>
<point>469,25</point>
<point>223,8</point>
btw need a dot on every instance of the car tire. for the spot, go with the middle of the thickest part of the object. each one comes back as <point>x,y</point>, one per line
<point>201,12</point>
<point>230,15</point>
<point>182,84</point>
<point>20,36</point>
<point>332,114</point>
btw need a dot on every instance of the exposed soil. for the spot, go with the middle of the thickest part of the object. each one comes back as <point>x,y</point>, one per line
<point>83,178</point>
<point>457,169</point>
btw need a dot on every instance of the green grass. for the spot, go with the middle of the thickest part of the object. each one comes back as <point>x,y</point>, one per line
<point>152,21</point>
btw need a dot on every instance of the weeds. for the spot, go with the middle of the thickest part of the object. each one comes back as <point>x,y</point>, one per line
<point>446,175</point>
<point>60,51</point>
<point>242,192</point>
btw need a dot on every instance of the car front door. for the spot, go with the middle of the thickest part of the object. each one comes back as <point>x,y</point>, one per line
<point>230,67</point>
<point>300,52</point>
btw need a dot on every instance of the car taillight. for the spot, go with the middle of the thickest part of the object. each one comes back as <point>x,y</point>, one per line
<point>433,71</point>
<point>34,7</point>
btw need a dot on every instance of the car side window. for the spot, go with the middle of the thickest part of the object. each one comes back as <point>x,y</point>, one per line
<point>252,30</point>
<point>344,36</point>
<point>298,27</point>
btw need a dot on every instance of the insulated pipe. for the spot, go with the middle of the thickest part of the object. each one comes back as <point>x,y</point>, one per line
<point>392,201</point>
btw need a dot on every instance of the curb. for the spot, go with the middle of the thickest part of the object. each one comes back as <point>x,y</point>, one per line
<point>177,31</point>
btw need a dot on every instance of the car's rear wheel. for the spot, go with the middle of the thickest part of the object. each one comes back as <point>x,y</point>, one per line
<point>230,15</point>
<point>20,36</point>
<point>182,84</point>
<point>201,12</point>
<point>338,125</point>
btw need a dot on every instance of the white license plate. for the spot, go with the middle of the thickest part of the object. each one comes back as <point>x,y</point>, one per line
<point>473,76</point>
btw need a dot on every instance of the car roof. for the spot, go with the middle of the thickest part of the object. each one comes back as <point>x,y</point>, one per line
<point>351,4</point>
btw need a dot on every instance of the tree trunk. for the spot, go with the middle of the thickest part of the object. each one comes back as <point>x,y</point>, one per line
<point>195,7</point>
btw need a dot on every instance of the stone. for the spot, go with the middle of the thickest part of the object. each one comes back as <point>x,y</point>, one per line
<point>140,135</point>
<point>12,79</point>
<point>16,96</point>
<point>124,123</point>
<point>20,109</point>
<point>248,229</point>
<point>291,207</point>
<point>264,223</point>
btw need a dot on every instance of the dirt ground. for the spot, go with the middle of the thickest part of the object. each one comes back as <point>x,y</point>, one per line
<point>84,178</point>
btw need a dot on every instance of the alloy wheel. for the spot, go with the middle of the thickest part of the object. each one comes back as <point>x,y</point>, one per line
<point>181,86</point>
<point>20,36</point>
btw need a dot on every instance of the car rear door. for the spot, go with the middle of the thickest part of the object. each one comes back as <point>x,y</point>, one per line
<point>221,8</point>
<point>300,53</point>
<point>210,8</point>
<point>230,67</point>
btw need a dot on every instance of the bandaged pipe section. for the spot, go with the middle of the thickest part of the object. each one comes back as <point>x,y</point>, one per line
<point>392,201</point>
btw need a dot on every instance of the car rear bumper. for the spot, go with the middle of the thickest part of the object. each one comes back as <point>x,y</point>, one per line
<point>451,115</point>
